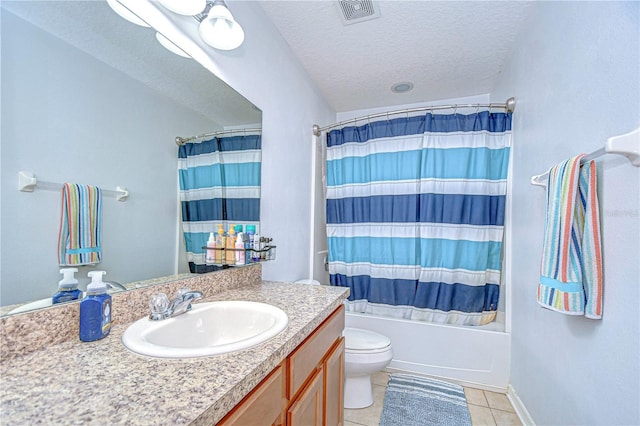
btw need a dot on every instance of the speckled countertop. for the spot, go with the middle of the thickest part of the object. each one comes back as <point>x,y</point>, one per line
<point>103,383</point>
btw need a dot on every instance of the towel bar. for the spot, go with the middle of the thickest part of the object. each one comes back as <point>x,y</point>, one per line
<point>27,182</point>
<point>627,144</point>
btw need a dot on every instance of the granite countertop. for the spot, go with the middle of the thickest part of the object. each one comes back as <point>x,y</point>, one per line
<point>103,383</point>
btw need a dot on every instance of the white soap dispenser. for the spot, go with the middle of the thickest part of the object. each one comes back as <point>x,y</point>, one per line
<point>211,249</point>
<point>67,287</point>
<point>95,309</point>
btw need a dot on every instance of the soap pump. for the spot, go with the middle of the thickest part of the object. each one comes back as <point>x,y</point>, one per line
<point>95,309</point>
<point>67,287</point>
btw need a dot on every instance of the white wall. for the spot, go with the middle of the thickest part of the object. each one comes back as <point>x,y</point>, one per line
<point>70,118</point>
<point>575,74</point>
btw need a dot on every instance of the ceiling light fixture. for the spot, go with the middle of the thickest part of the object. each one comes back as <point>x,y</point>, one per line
<point>218,29</point>
<point>184,7</point>
<point>126,13</point>
<point>170,46</point>
<point>216,25</point>
<point>403,87</point>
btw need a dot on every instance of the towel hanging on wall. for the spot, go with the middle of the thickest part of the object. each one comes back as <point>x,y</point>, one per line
<point>571,276</point>
<point>80,237</point>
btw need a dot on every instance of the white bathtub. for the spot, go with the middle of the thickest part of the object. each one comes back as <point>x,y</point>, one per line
<point>472,356</point>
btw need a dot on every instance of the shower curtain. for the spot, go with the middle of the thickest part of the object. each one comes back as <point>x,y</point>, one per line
<point>219,184</point>
<point>415,215</point>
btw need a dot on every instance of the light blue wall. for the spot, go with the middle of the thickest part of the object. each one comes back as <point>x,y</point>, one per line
<point>68,117</point>
<point>575,74</point>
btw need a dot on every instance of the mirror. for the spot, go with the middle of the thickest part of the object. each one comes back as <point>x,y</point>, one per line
<point>88,97</point>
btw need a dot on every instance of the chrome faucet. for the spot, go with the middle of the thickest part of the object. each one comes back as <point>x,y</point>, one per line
<point>161,308</point>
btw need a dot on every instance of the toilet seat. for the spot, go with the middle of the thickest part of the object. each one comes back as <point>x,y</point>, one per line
<point>358,340</point>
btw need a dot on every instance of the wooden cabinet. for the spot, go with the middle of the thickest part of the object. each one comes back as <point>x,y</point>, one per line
<point>308,408</point>
<point>333,370</point>
<point>264,405</point>
<point>307,389</point>
<point>316,375</point>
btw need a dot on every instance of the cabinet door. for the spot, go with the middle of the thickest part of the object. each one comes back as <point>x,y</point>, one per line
<point>334,385</point>
<point>308,356</point>
<point>263,406</point>
<point>307,410</point>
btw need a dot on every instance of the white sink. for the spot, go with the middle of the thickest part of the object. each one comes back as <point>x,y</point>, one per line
<point>207,329</point>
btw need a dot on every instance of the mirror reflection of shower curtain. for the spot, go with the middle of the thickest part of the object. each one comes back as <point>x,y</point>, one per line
<point>219,184</point>
<point>415,215</point>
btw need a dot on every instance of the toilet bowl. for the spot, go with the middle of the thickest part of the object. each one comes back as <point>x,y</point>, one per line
<point>366,352</point>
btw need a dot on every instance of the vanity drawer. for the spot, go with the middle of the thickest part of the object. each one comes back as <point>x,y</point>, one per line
<point>308,356</point>
<point>263,406</point>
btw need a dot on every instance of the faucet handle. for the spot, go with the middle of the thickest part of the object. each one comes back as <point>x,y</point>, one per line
<point>180,293</point>
<point>159,306</point>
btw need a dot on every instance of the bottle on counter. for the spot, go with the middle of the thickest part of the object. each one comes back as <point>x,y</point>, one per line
<point>210,256</point>
<point>220,245</point>
<point>240,255</point>
<point>230,246</point>
<point>95,310</point>
<point>67,287</point>
<point>255,256</point>
<point>248,242</point>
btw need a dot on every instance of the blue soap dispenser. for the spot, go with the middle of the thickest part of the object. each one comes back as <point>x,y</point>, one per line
<point>95,309</point>
<point>67,287</point>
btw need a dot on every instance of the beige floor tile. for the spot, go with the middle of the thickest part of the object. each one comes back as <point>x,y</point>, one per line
<point>475,397</point>
<point>505,418</point>
<point>351,424</point>
<point>481,416</point>
<point>369,416</point>
<point>499,401</point>
<point>380,378</point>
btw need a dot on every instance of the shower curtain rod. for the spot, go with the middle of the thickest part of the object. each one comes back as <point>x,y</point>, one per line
<point>509,106</point>
<point>182,141</point>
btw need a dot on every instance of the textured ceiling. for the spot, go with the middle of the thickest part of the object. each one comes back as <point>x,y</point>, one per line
<point>447,49</point>
<point>94,28</point>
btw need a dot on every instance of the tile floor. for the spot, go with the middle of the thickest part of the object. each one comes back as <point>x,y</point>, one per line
<point>486,408</point>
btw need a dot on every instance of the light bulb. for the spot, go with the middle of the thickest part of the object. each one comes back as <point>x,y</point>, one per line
<point>220,30</point>
<point>171,46</point>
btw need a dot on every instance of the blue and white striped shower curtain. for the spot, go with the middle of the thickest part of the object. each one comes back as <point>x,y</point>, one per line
<point>415,215</point>
<point>219,184</point>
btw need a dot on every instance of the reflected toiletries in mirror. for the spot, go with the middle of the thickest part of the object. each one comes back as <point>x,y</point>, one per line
<point>90,98</point>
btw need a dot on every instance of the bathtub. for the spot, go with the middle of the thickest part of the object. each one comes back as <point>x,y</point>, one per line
<point>471,356</point>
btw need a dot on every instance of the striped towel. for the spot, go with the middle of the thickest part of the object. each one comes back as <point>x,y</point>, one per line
<point>571,269</point>
<point>80,237</point>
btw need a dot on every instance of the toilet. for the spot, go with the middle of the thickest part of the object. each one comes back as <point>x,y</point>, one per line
<point>366,352</point>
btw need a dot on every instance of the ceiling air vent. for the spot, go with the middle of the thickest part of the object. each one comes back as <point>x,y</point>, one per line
<point>354,11</point>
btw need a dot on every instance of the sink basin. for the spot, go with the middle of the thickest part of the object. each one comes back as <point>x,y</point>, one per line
<point>207,329</point>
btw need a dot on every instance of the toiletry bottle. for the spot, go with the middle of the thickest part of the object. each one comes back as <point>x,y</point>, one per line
<point>220,244</point>
<point>67,287</point>
<point>231,245</point>
<point>240,255</point>
<point>95,310</point>
<point>210,256</point>
<point>256,248</point>
<point>251,231</point>
<point>238,229</point>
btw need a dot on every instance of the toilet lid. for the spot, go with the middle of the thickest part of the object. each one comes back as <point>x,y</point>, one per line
<point>359,339</point>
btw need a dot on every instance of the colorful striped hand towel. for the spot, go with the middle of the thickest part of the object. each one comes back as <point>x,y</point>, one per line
<point>571,276</point>
<point>80,237</point>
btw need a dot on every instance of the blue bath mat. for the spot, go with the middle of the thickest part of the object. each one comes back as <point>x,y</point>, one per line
<point>420,401</point>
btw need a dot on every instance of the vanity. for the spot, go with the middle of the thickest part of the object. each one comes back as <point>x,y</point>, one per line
<point>294,378</point>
